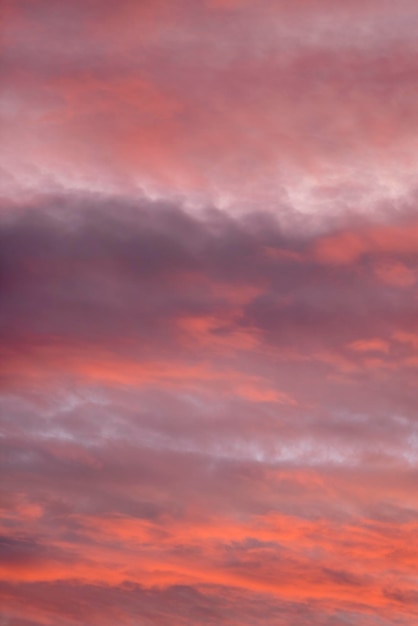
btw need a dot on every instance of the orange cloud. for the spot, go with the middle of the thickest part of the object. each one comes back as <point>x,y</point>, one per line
<point>348,247</point>
<point>370,345</point>
<point>353,562</point>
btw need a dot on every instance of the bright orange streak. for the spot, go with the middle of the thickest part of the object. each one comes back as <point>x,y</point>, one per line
<point>375,555</point>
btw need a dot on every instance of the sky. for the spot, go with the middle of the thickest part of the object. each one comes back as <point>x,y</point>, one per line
<point>209,313</point>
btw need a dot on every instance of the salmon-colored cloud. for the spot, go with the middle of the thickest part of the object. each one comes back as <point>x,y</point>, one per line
<point>370,345</point>
<point>396,274</point>
<point>373,240</point>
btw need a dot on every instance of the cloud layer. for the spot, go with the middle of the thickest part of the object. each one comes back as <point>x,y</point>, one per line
<point>208,320</point>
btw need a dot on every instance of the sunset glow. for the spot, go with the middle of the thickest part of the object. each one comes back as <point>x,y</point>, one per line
<point>209,313</point>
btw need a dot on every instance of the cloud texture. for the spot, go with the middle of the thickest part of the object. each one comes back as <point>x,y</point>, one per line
<point>209,313</point>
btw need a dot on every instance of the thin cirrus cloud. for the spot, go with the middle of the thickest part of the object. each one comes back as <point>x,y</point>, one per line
<point>208,320</point>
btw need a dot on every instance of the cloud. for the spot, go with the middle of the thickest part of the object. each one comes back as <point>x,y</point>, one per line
<point>169,377</point>
<point>208,313</point>
<point>234,107</point>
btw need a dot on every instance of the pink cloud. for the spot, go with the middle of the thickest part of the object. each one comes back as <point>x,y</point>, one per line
<point>208,313</point>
